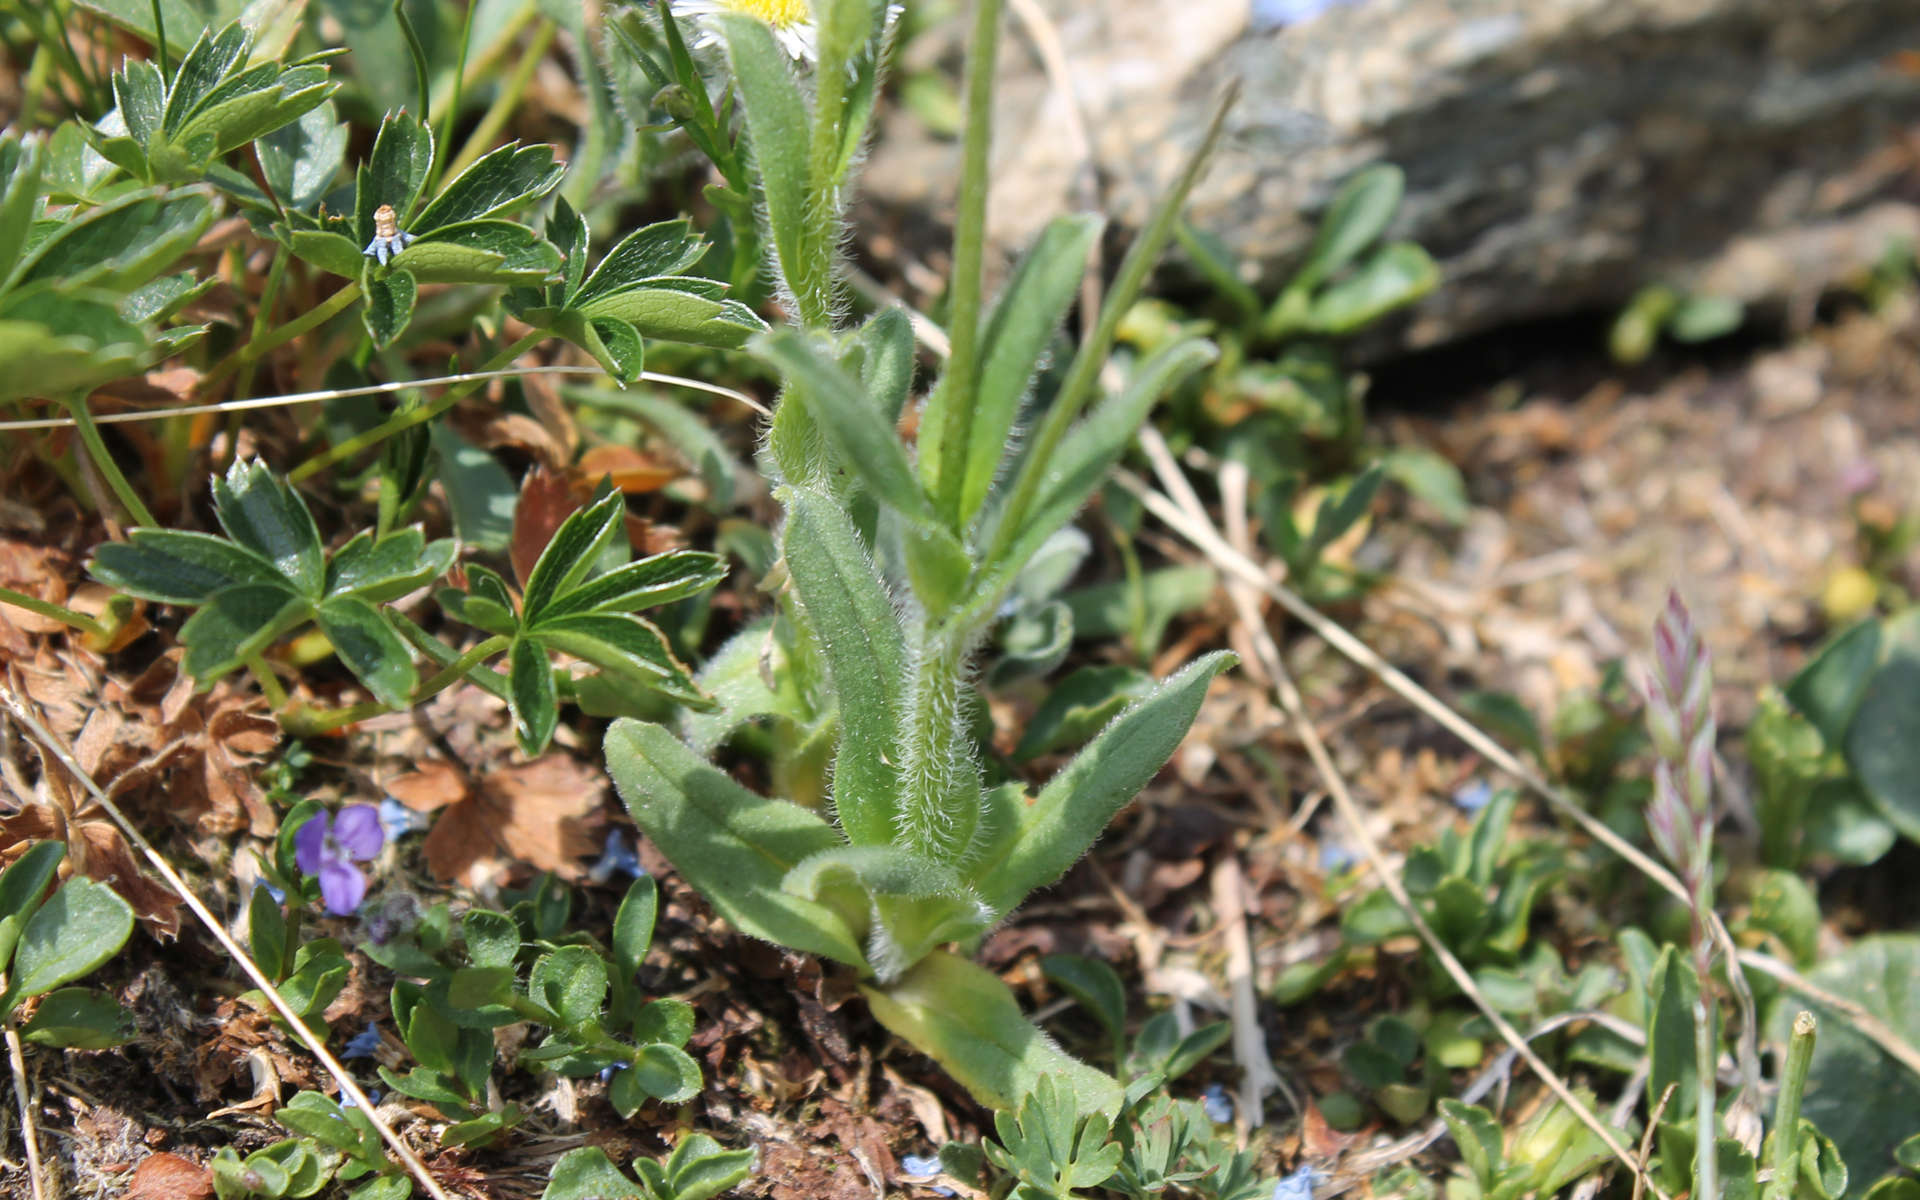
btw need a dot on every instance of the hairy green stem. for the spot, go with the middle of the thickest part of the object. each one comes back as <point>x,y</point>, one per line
<point>403,421</point>
<point>945,477</point>
<point>45,608</point>
<point>939,802</point>
<point>813,288</point>
<point>1092,354</point>
<point>1785,1158</point>
<point>103,461</point>
<point>505,103</point>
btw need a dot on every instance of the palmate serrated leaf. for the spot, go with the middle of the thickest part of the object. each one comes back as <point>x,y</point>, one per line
<point>566,230</point>
<point>329,251</point>
<point>173,566</point>
<point>484,252</point>
<point>969,1022</point>
<point>733,845</point>
<point>513,174</point>
<point>237,623</point>
<point>263,513</point>
<point>1078,803</point>
<point>209,61</point>
<point>643,256</point>
<point>252,105</point>
<point>845,600</point>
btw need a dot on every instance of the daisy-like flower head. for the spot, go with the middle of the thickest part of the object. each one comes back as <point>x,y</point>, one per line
<point>790,20</point>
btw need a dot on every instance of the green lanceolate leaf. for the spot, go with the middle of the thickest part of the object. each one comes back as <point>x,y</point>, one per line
<point>394,174</point>
<point>390,299</point>
<point>1395,277</point>
<point>919,903</point>
<point>887,361</point>
<point>648,583</point>
<point>1357,217</point>
<point>779,122</point>
<point>1017,335</point>
<point>21,163</point>
<point>1087,454</point>
<point>480,252</point>
<point>846,602</point>
<point>370,648</point>
<point>389,568</point>
<point>535,702</point>
<point>172,566</point>
<point>237,623</point>
<point>1096,986</point>
<point>863,443</point>
<point>643,256</point>
<point>121,244</point>
<point>969,1022</point>
<point>633,925</point>
<point>511,175</point>
<point>626,645</point>
<point>678,309</point>
<point>1076,806</point>
<point>733,845</point>
<point>572,552</point>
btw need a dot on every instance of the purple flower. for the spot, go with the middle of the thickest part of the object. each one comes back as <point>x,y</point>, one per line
<point>1299,1185</point>
<point>1218,1104</point>
<point>618,858</point>
<point>328,848</point>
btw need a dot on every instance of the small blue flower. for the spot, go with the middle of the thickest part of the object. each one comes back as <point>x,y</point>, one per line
<point>1473,797</point>
<point>346,1101</point>
<point>399,820</point>
<point>1299,1185</point>
<point>1269,15</point>
<point>1218,1104</point>
<point>1335,858</point>
<point>921,1167</point>
<point>618,858</point>
<point>363,1044</point>
<point>607,1072</point>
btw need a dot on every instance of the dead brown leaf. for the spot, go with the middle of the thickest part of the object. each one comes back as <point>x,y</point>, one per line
<point>631,471</point>
<point>546,500</point>
<point>166,1176</point>
<point>545,813</point>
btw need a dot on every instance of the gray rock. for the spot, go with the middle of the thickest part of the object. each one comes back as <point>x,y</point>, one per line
<point>1559,153</point>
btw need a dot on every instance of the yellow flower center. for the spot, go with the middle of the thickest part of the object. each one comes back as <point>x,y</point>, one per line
<point>781,14</point>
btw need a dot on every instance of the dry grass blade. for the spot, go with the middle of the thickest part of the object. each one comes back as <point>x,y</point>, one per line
<point>22,1094</point>
<point>49,741</point>
<point>1236,565</point>
<point>1295,707</point>
<point>376,389</point>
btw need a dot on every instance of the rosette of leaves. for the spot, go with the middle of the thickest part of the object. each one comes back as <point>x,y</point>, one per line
<point>270,575</point>
<point>698,1169</point>
<point>459,236</point>
<point>580,598</point>
<point>639,290</point>
<point>84,289</point>
<point>175,130</point>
